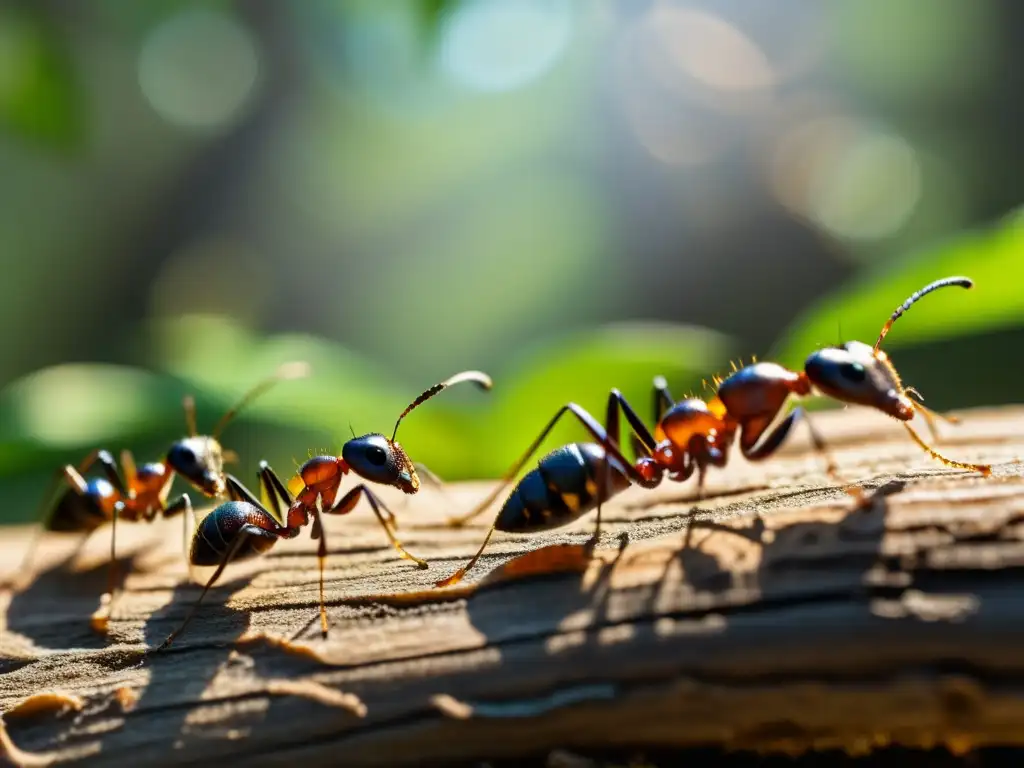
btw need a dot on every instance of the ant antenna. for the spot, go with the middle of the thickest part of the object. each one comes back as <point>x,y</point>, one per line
<point>963,282</point>
<point>189,404</point>
<point>350,429</point>
<point>295,370</point>
<point>479,378</point>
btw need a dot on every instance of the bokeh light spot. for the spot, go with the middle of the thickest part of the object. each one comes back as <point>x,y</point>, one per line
<point>850,178</point>
<point>198,69</point>
<point>71,405</point>
<point>710,50</point>
<point>672,134</point>
<point>495,45</point>
<point>213,275</point>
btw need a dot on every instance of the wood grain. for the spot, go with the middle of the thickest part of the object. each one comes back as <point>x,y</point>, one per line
<point>782,619</point>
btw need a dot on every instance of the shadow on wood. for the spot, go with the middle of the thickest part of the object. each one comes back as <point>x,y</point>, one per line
<point>782,619</point>
<point>49,611</point>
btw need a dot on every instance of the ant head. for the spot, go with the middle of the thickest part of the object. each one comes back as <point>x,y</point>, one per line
<point>379,460</point>
<point>855,373</point>
<point>200,460</point>
<point>859,374</point>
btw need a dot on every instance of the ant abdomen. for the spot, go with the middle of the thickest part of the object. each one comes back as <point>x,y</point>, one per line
<point>562,488</point>
<point>83,512</point>
<point>218,530</point>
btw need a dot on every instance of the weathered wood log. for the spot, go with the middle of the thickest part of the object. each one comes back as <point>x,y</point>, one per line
<point>783,618</point>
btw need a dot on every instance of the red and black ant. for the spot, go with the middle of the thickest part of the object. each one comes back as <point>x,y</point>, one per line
<point>140,493</point>
<point>245,527</point>
<point>693,435</point>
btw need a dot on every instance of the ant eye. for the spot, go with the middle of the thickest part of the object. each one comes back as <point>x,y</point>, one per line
<point>377,455</point>
<point>853,372</point>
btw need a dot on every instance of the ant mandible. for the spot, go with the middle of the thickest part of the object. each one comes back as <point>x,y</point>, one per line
<point>693,435</point>
<point>243,528</point>
<point>140,493</point>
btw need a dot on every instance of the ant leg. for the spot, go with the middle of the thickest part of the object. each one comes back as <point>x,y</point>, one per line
<point>617,402</point>
<point>777,436</point>
<point>429,476</point>
<point>321,556</point>
<point>661,402</point>
<point>241,537</point>
<point>238,492</point>
<point>188,541</point>
<point>111,471</point>
<point>178,507</point>
<point>112,589</point>
<point>931,417</point>
<point>774,439</point>
<point>641,438</point>
<point>604,492</point>
<point>277,498</point>
<point>984,469</point>
<point>662,398</point>
<point>128,468</point>
<point>702,471</point>
<point>596,431</point>
<point>112,569</point>
<point>350,499</point>
<point>271,487</point>
<point>114,476</point>
<point>830,463</point>
<point>831,466</point>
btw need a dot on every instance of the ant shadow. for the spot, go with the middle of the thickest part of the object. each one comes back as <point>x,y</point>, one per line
<point>176,678</point>
<point>182,673</point>
<point>592,636</point>
<point>791,550</point>
<point>49,610</point>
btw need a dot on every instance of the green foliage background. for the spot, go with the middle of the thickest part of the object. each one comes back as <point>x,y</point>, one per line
<point>958,348</point>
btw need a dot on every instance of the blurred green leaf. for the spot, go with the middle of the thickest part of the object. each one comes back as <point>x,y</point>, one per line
<point>39,97</point>
<point>76,407</point>
<point>993,258</point>
<point>433,12</point>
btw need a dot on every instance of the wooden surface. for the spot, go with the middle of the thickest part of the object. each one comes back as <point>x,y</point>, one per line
<point>785,619</point>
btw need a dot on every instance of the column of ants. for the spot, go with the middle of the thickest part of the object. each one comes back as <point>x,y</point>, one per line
<point>242,526</point>
<point>692,435</point>
<point>688,437</point>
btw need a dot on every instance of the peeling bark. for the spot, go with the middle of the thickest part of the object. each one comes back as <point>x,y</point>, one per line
<point>781,619</point>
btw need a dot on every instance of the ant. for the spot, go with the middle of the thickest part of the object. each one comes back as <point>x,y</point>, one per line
<point>694,434</point>
<point>140,493</point>
<point>245,527</point>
